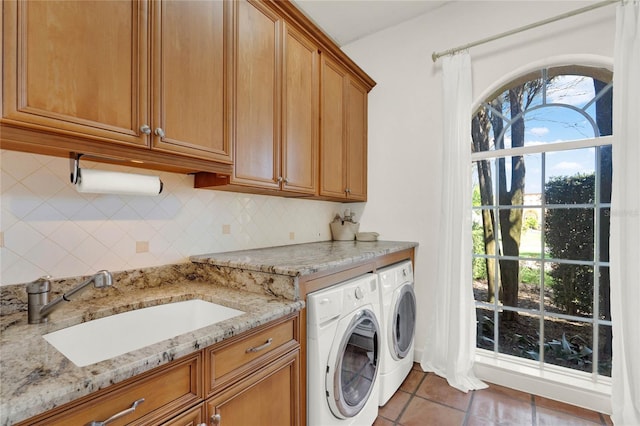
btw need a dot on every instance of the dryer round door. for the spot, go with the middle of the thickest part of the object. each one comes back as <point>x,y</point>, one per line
<point>403,322</point>
<point>353,367</point>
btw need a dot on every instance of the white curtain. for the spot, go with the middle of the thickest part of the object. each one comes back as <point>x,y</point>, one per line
<point>625,218</point>
<point>451,331</point>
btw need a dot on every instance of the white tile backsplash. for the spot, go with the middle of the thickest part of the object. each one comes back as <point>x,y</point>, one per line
<point>50,228</point>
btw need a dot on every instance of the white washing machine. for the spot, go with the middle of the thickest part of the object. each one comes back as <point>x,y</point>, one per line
<point>398,310</point>
<point>343,344</point>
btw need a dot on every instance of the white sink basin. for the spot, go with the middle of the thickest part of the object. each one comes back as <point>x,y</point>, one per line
<point>104,338</point>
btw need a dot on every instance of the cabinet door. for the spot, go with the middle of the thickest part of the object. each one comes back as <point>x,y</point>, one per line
<point>193,417</point>
<point>300,119</point>
<point>356,142</point>
<point>190,40</point>
<point>333,129</point>
<point>256,127</point>
<point>270,397</point>
<point>77,67</point>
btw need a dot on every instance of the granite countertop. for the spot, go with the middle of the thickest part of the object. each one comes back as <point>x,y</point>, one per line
<point>304,259</point>
<point>35,377</point>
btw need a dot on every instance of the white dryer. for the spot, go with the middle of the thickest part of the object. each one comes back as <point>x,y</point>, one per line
<point>343,343</point>
<point>398,310</point>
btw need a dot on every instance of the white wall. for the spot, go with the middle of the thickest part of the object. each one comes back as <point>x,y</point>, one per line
<point>405,131</point>
<point>46,227</point>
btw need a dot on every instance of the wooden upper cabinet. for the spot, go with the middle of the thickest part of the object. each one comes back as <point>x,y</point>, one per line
<point>300,113</point>
<point>77,66</point>
<point>256,129</point>
<point>356,141</point>
<point>333,130</point>
<point>189,47</point>
<point>188,86</point>
<point>103,77</point>
<point>275,102</point>
<point>343,145</point>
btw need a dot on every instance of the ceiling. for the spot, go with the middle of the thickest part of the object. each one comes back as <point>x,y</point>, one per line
<point>348,20</point>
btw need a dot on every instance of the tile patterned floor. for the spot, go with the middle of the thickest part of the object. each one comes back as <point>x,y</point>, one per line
<point>425,399</point>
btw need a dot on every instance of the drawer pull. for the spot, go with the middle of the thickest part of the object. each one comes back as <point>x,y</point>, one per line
<point>261,347</point>
<point>117,415</point>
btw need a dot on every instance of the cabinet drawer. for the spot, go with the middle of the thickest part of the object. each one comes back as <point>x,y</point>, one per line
<point>165,391</point>
<point>229,361</point>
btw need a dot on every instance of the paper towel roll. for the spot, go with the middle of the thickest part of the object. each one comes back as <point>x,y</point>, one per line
<point>106,182</point>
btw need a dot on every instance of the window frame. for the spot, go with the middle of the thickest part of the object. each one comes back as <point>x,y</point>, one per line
<point>596,262</point>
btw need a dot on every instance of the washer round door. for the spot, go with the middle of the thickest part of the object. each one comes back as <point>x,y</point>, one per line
<point>350,381</point>
<point>403,322</point>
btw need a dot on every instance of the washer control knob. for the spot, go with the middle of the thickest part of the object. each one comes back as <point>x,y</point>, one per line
<point>359,293</point>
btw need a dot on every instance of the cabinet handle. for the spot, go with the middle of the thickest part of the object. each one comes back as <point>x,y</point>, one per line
<point>261,347</point>
<point>145,129</point>
<point>348,191</point>
<point>215,419</point>
<point>159,132</point>
<point>286,181</point>
<point>117,415</point>
<point>279,179</point>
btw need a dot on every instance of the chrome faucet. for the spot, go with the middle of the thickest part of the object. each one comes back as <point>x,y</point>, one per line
<point>38,291</point>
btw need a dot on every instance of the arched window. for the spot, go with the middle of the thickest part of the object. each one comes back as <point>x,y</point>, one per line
<point>541,202</point>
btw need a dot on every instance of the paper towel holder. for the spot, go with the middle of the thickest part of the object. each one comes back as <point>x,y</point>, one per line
<point>74,160</point>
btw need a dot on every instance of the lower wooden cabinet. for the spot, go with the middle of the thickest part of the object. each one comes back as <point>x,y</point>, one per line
<point>192,417</point>
<point>241,376</point>
<point>268,397</point>
<point>150,398</point>
<point>235,358</point>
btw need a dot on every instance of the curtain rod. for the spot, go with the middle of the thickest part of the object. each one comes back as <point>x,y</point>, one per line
<point>436,55</point>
